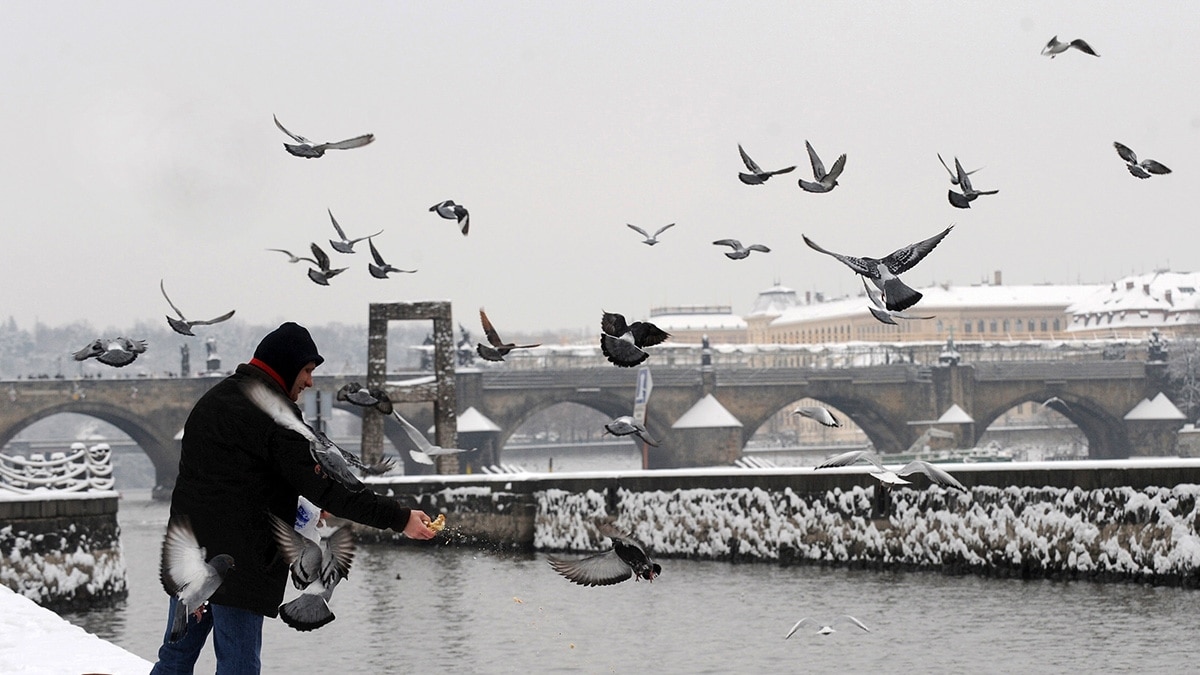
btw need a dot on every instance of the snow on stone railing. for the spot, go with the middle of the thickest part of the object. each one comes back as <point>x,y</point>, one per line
<point>1115,533</point>
<point>81,469</point>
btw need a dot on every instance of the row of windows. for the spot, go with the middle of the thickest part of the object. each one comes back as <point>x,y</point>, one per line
<point>1017,325</point>
<point>843,332</point>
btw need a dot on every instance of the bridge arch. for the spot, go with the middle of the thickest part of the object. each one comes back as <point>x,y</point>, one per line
<point>1105,432</point>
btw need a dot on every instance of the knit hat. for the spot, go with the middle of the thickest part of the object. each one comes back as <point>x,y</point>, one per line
<point>287,350</point>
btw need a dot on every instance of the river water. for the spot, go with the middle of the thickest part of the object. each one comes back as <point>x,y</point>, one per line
<point>437,608</point>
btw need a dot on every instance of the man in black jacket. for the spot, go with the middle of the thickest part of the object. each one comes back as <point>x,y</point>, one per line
<point>236,466</point>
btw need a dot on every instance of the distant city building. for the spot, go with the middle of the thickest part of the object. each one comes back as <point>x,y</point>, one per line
<point>1132,306</point>
<point>690,323</point>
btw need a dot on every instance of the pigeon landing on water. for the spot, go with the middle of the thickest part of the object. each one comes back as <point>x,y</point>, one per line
<point>953,175</point>
<point>308,150</point>
<point>889,477</point>
<point>182,325</point>
<point>739,251</point>
<point>824,181</point>
<point>316,569</point>
<point>625,425</point>
<point>322,275</point>
<point>497,349</point>
<point>186,575</point>
<point>627,558</point>
<point>1053,48</point>
<point>883,272</point>
<point>880,311</point>
<point>826,628</point>
<point>117,353</point>
<point>342,244</point>
<point>1141,169</point>
<point>623,345</point>
<point>818,414</point>
<point>380,269</point>
<point>649,239</point>
<point>451,211</point>
<point>335,462</point>
<point>757,176</point>
<point>356,394</point>
<point>969,193</point>
<point>425,451</point>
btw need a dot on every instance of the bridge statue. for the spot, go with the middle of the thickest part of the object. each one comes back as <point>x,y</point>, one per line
<point>185,361</point>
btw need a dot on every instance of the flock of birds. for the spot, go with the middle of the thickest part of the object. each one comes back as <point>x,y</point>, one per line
<point>190,577</point>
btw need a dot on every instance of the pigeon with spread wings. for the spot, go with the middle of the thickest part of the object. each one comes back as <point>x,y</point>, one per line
<point>824,181</point>
<point>757,176</point>
<point>884,272</point>
<point>740,251</point>
<point>182,325</point>
<point>117,353</point>
<point>324,273</point>
<point>1141,169</point>
<point>187,575</point>
<point>650,239</point>
<point>343,244</point>
<point>380,269</point>
<point>627,558</point>
<point>309,150</point>
<point>624,344</point>
<point>1053,48</point>
<point>497,349</point>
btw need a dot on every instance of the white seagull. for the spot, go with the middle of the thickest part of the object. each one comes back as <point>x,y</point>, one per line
<point>889,477</point>
<point>757,176</point>
<point>826,628</point>
<point>1141,169</point>
<point>650,239</point>
<point>883,272</point>
<point>819,414</point>
<point>1053,48</point>
<point>308,150</point>
<point>425,451</point>
<point>824,181</point>
<point>292,257</point>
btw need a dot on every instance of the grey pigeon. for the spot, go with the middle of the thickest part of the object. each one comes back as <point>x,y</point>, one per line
<point>825,181</point>
<point>380,269</point>
<point>292,257</point>
<point>1053,48</point>
<point>317,568</point>
<point>424,451</point>
<point>650,239</point>
<point>182,325</point>
<point>342,244</point>
<point>826,628</point>
<point>739,251</point>
<point>880,311</point>
<point>625,425</point>
<point>953,175</point>
<point>187,574</point>
<point>356,394</point>
<point>627,558</point>
<point>117,353</point>
<point>1141,169</point>
<point>888,477</point>
<point>819,414</point>
<point>496,349</point>
<point>308,150</point>
<point>757,176</point>
<point>324,273</point>
<point>969,193</point>
<point>883,272</point>
<point>451,211</point>
<point>624,344</point>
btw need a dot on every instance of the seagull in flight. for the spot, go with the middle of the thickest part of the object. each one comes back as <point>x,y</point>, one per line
<point>322,275</point>
<point>880,311</point>
<point>451,211</point>
<point>117,353</point>
<point>308,150</point>
<point>757,176</point>
<point>883,272</point>
<point>650,239</point>
<point>380,269</point>
<point>292,257</point>
<point>819,414</point>
<point>342,244</point>
<point>1053,48</point>
<point>889,477</point>
<point>425,451</point>
<point>627,558</point>
<point>496,349</point>
<point>826,628</point>
<point>953,175</point>
<point>182,325</point>
<point>739,251</point>
<point>1141,169</point>
<point>623,344</point>
<point>625,425</point>
<point>824,181</point>
<point>969,193</point>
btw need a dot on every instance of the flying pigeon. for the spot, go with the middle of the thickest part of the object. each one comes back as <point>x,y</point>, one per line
<point>739,251</point>
<point>335,462</point>
<point>648,239</point>
<point>880,311</point>
<point>182,325</point>
<point>826,629</point>
<point>498,348</point>
<point>1054,47</point>
<point>380,269</point>
<point>356,394</point>
<point>625,425</point>
<point>623,344</point>
<point>117,353</point>
<point>883,272</point>
<point>1141,169</point>
<point>451,211</point>
<point>819,414</point>
<point>324,274</point>
<point>186,574</point>
<point>953,175</point>
<point>308,150</point>
<point>963,201</point>
<point>824,181</point>
<point>627,558</point>
<point>342,244</point>
<point>425,451</point>
<point>757,176</point>
<point>886,476</point>
<point>292,257</point>
<point>317,568</point>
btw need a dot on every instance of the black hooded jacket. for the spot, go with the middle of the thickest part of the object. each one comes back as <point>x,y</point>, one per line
<point>236,466</point>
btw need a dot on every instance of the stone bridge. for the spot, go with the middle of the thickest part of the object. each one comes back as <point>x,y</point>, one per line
<point>893,404</point>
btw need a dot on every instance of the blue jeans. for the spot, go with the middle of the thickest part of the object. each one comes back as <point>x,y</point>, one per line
<point>237,641</point>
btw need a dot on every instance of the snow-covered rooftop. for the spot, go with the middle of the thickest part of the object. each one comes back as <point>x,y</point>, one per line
<point>471,420</point>
<point>1142,300</point>
<point>1158,408</point>
<point>708,413</point>
<point>699,321</point>
<point>955,415</point>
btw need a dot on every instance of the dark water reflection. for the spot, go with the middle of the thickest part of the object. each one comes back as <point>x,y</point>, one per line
<point>446,609</point>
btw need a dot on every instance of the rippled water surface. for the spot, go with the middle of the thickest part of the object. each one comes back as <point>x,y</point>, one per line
<point>443,609</point>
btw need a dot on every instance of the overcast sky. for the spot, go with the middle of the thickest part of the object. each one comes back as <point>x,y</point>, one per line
<point>139,146</point>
